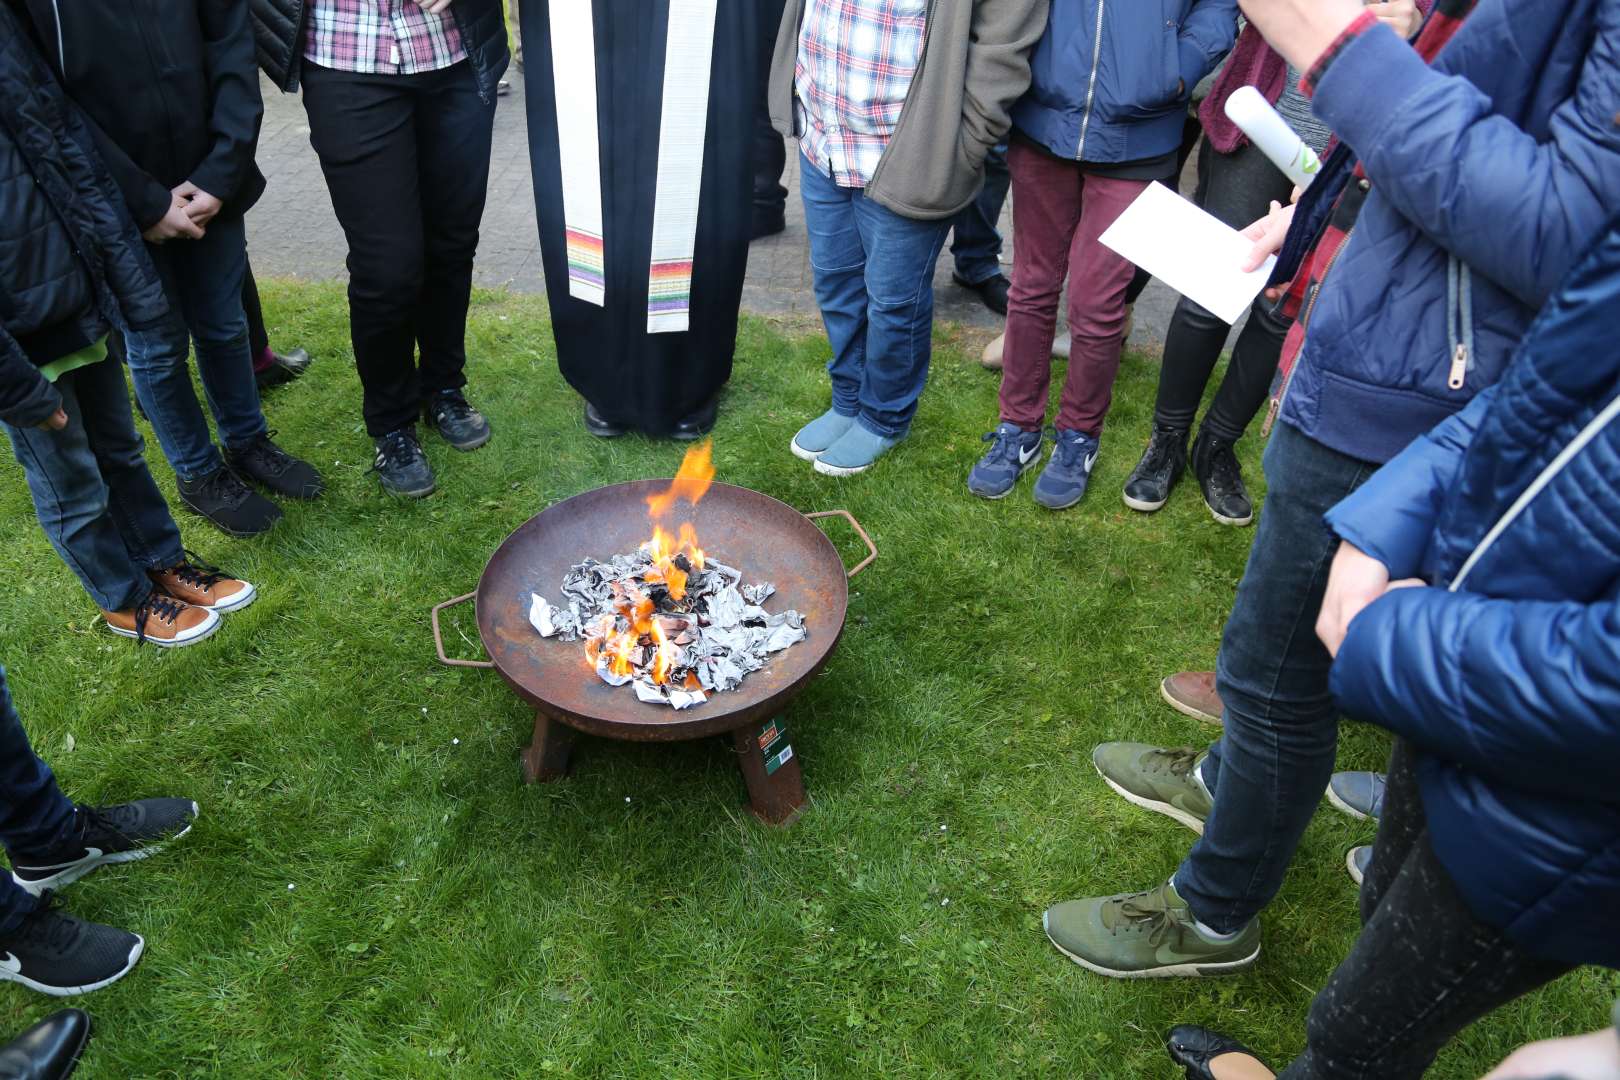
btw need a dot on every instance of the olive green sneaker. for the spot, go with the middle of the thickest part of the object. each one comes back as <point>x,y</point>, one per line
<point>1165,781</point>
<point>1145,935</point>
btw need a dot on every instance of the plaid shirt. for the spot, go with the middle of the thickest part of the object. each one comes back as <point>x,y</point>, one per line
<point>380,37</point>
<point>856,62</point>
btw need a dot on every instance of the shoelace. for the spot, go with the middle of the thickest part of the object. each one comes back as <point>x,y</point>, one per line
<point>1177,762</point>
<point>1070,451</point>
<point>225,486</point>
<point>166,608</point>
<point>49,927</point>
<point>396,448</point>
<point>1004,443</point>
<point>271,458</point>
<point>1160,451</point>
<point>453,406</point>
<point>94,821</point>
<point>196,573</point>
<point>1225,474</point>
<point>1147,911</point>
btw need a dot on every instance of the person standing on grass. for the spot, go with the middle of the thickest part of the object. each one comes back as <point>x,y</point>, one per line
<point>1237,183</point>
<point>1483,176</point>
<point>175,104</point>
<point>896,104</point>
<point>401,102</point>
<point>73,270</point>
<point>1473,610</point>
<point>1103,118</point>
<point>51,844</point>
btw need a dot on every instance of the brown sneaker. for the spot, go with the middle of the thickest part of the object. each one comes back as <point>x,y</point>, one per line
<point>194,582</point>
<point>1193,693</point>
<point>163,621</point>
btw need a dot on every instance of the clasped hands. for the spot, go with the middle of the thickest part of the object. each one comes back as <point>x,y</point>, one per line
<point>190,210</point>
<point>1356,580</point>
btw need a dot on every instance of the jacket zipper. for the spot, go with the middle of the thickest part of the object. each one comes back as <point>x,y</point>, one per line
<point>1305,325</point>
<point>922,58</point>
<point>1091,84</point>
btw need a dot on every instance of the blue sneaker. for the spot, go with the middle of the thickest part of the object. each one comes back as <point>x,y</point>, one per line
<point>1359,794</point>
<point>855,451</point>
<point>815,437</point>
<point>1063,482</point>
<point>1013,452</point>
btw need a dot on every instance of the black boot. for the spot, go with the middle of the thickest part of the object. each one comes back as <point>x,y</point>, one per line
<point>1216,466</point>
<point>230,505</point>
<point>1162,464</point>
<point>1193,1048</point>
<point>275,470</point>
<point>49,1050</point>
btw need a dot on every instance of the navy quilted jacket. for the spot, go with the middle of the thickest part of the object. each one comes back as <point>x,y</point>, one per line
<point>1504,153</point>
<point>1506,674</point>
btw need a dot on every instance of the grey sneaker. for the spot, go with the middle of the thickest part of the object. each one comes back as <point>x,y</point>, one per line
<point>1359,794</point>
<point>1164,781</point>
<point>1357,862</point>
<point>1145,935</point>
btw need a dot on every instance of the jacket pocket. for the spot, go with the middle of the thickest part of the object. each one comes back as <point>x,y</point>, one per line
<point>1155,87</point>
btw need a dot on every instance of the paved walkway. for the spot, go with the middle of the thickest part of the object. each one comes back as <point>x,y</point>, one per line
<point>292,232</point>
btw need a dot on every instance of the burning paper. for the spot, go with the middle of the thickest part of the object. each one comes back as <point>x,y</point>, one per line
<point>665,618</point>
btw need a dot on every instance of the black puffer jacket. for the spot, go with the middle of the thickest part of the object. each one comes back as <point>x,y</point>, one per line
<point>172,89</point>
<point>278,33</point>
<point>71,262</point>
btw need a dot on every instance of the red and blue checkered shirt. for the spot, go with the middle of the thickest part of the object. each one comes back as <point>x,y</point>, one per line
<point>380,37</point>
<point>856,62</point>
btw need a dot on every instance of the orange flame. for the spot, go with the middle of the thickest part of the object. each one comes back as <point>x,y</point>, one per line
<point>691,482</point>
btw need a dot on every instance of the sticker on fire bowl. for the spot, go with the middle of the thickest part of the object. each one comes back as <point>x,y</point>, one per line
<point>769,734</point>
<point>776,761</point>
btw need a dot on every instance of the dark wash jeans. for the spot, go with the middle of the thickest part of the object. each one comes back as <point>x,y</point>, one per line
<point>93,494</point>
<point>203,279</point>
<point>1275,755</point>
<point>975,238</point>
<point>406,160</point>
<point>35,817</point>
<point>1423,968</point>
<point>874,275</point>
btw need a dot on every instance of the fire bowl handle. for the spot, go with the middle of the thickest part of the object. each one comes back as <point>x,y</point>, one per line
<point>438,638</point>
<point>867,540</point>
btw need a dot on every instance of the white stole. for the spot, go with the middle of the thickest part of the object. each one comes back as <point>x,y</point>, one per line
<point>683,130</point>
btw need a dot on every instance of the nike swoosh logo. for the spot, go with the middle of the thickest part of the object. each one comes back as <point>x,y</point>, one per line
<point>89,853</point>
<point>1025,458</point>
<point>11,964</point>
<point>1091,459</point>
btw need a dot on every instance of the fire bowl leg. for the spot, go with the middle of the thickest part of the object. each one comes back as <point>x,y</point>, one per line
<point>770,767</point>
<point>547,757</point>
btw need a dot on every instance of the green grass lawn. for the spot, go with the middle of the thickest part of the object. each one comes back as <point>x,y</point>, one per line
<point>372,892</point>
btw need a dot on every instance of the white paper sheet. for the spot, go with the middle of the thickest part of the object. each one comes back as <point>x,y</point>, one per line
<point>1189,250</point>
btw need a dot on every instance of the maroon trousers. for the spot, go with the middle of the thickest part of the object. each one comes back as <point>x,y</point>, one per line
<point>1059,211</point>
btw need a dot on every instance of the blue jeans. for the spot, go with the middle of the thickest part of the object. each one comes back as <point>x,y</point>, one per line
<point>203,279</point>
<point>35,817</point>
<point>874,274</point>
<point>975,239</point>
<point>1275,754</point>
<point>93,494</point>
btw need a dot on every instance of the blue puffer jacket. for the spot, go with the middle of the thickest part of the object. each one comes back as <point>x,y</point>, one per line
<point>1504,153</point>
<point>1111,78</point>
<point>1509,686</point>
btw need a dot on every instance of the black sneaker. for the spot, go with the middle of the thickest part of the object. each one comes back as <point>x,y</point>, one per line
<point>272,468</point>
<point>283,369</point>
<point>1156,474</point>
<point>992,290</point>
<point>229,505</point>
<point>56,954</point>
<point>401,466</point>
<point>1221,477</point>
<point>460,425</point>
<point>103,835</point>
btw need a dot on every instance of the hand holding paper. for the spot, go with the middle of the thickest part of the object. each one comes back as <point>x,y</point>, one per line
<point>1190,251</point>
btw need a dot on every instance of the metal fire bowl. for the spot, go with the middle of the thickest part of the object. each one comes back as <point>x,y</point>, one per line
<point>767,540</point>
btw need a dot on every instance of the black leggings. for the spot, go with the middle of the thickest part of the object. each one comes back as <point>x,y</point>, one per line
<point>1237,188</point>
<point>258,336</point>
<point>1423,968</point>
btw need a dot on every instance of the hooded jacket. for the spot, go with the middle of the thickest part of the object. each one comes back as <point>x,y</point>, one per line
<point>72,264</point>
<point>172,92</point>
<point>1491,171</point>
<point>1505,674</point>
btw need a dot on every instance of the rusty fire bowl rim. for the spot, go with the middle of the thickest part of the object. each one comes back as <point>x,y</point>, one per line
<point>625,717</point>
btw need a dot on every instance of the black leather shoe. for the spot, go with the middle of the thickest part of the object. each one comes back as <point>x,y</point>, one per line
<point>992,290</point>
<point>768,223</point>
<point>275,470</point>
<point>401,466</point>
<point>697,424</point>
<point>229,505</point>
<point>1219,474</point>
<point>599,425</point>
<point>1193,1048</point>
<point>1155,476</point>
<point>49,1050</point>
<point>457,422</point>
<point>283,369</point>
